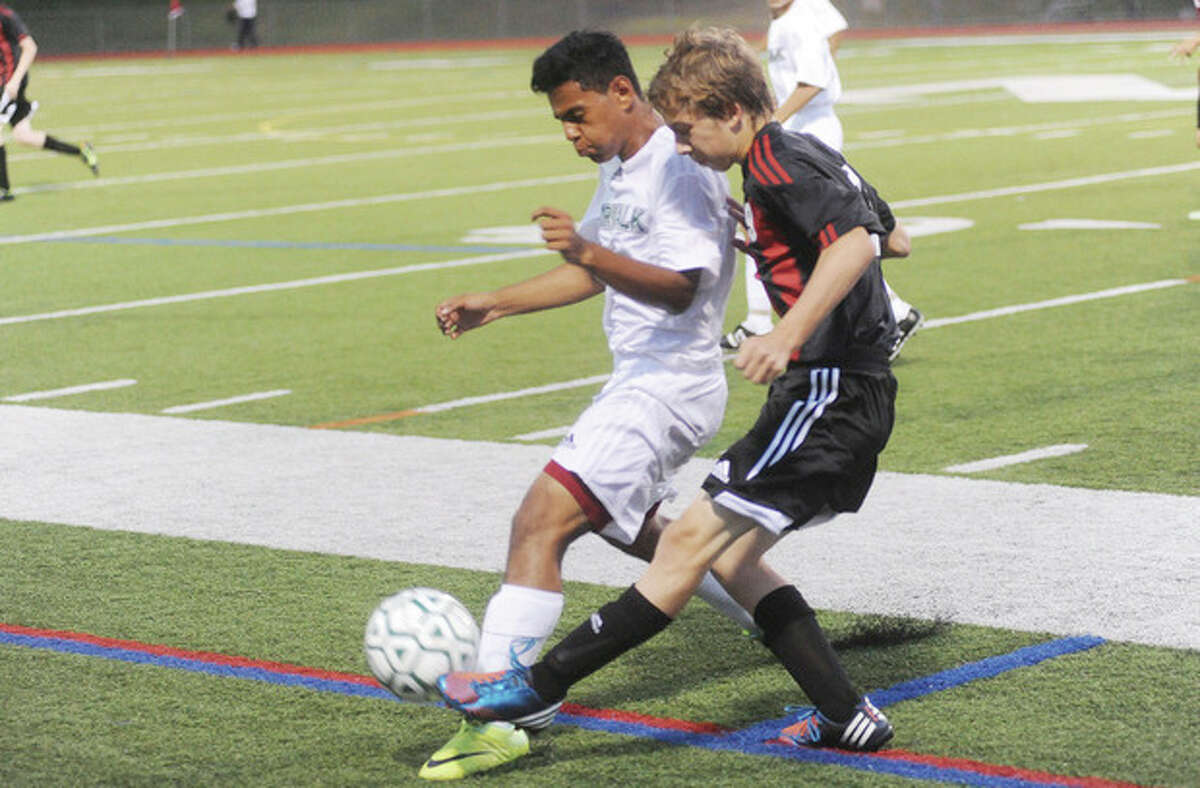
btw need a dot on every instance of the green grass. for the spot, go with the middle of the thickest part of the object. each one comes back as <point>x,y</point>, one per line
<point>82,720</point>
<point>1117,374</point>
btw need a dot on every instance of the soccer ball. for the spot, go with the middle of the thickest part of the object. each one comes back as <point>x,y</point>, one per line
<point>416,635</point>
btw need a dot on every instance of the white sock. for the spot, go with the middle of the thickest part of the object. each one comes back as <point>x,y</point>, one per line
<point>758,306</point>
<point>712,593</point>
<point>516,613</point>
<point>900,307</point>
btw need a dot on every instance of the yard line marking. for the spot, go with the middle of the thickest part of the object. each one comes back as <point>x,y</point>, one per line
<point>992,463</point>
<point>314,245</point>
<point>1033,188</point>
<point>69,390</point>
<point>220,403</point>
<point>932,323</point>
<point>283,210</point>
<point>464,402</point>
<point>756,740</point>
<point>287,164</point>
<point>555,432</point>
<point>1065,300</point>
<point>273,286</point>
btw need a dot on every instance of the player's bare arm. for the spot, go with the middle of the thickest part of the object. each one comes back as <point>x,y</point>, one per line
<point>764,358</point>
<point>1186,48</point>
<point>562,285</point>
<point>799,98</point>
<point>652,284</point>
<point>897,243</point>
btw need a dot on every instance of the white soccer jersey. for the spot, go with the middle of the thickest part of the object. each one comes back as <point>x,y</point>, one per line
<point>797,52</point>
<point>827,19</point>
<point>667,393</point>
<point>662,208</point>
<point>246,9</point>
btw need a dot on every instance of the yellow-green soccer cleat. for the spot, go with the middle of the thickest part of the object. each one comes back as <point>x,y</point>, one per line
<point>477,747</point>
<point>88,154</point>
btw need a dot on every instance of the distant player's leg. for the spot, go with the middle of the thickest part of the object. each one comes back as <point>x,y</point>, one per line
<point>758,311</point>
<point>24,133</point>
<point>908,319</point>
<point>5,189</point>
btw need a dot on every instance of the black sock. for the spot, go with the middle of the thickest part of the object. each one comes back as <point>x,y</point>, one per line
<point>3,169</point>
<point>609,633</point>
<point>60,146</point>
<point>791,631</point>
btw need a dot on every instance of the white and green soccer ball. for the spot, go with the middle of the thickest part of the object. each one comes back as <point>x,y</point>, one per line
<point>416,635</point>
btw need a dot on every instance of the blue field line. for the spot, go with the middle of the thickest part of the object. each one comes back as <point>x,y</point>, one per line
<point>318,245</point>
<point>753,740</point>
<point>317,684</point>
<point>948,679</point>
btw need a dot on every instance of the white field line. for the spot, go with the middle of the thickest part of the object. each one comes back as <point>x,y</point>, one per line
<point>69,390</point>
<point>272,287</point>
<point>1009,310</point>
<point>287,164</point>
<point>284,210</point>
<point>220,403</point>
<point>1012,131</point>
<point>503,395</point>
<point>268,133</point>
<point>1016,459</point>
<point>554,432</point>
<point>290,111</point>
<point>1053,302</point>
<point>1033,188</point>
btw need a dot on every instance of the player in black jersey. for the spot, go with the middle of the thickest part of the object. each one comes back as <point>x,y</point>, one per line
<point>817,230</point>
<point>17,51</point>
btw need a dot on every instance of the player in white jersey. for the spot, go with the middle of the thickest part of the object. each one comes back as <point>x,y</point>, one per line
<point>657,242</point>
<point>801,41</point>
<point>1184,49</point>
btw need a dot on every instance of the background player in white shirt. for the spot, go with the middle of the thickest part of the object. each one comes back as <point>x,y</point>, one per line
<point>801,41</point>
<point>1184,49</point>
<point>657,242</point>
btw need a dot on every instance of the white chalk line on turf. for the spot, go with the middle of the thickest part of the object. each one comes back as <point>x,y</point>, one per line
<point>1053,302</point>
<point>1009,310</point>
<point>284,210</point>
<point>1031,455</point>
<point>1033,188</point>
<point>287,164</point>
<point>67,391</point>
<point>220,403</point>
<point>271,287</point>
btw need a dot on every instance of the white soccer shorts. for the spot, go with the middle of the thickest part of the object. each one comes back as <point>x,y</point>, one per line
<point>629,443</point>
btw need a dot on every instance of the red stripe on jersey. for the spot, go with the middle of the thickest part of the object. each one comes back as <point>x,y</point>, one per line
<point>772,162</point>
<point>756,168</point>
<point>828,235</point>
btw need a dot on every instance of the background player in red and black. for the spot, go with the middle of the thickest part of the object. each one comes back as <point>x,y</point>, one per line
<point>17,52</point>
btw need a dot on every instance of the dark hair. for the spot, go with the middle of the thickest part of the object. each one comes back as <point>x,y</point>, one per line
<point>591,58</point>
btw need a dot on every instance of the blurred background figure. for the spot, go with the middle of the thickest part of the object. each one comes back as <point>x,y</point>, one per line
<point>246,14</point>
<point>1184,49</point>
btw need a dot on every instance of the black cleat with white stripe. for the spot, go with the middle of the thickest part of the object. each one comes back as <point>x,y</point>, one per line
<point>866,731</point>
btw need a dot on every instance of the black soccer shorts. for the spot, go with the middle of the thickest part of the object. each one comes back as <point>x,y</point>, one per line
<point>813,450</point>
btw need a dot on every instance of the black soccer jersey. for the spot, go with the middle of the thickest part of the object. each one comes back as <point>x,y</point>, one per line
<point>12,30</point>
<point>801,196</point>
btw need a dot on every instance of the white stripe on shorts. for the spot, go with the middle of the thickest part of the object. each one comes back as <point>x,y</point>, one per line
<point>823,389</point>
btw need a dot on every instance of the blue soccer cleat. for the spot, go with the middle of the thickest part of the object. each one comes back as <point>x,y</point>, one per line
<point>866,731</point>
<point>505,695</point>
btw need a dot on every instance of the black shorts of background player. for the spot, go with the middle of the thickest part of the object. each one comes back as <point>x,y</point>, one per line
<point>16,109</point>
<point>816,229</point>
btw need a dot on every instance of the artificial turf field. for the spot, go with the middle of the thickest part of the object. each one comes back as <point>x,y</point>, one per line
<point>280,227</point>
